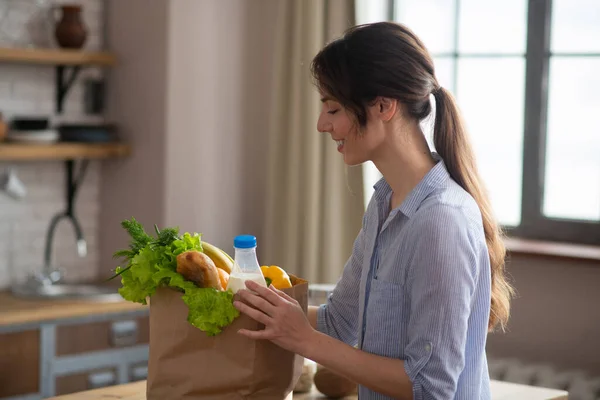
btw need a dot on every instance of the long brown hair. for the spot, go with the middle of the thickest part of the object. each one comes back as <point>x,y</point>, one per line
<point>387,59</point>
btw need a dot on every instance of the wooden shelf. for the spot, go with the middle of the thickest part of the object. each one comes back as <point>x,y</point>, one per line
<point>62,60</point>
<point>56,57</point>
<point>61,151</point>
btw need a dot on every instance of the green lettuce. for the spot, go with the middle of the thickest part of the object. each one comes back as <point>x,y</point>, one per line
<point>152,262</point>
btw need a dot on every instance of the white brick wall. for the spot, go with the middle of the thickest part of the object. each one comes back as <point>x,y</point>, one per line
<point>24,223</point>
<point>29,91</point>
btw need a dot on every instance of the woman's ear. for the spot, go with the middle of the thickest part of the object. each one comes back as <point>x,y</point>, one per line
<point>386,108</point>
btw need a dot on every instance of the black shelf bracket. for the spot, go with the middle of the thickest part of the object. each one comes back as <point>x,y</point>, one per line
<point>73,183</point>
<point>64,83</point>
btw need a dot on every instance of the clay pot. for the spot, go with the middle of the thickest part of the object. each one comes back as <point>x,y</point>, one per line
<point>70,31</point>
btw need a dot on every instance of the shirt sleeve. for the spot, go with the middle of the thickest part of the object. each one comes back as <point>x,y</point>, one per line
<point>441,280</point>
<point>339,316</point>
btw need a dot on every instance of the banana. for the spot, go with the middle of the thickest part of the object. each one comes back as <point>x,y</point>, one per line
<point>219,257</point>
<point>227,255</point>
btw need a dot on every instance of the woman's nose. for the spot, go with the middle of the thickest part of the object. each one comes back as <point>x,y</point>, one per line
<point>323,125</point>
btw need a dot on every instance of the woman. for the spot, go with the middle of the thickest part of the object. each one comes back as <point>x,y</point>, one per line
<point>425,282</point>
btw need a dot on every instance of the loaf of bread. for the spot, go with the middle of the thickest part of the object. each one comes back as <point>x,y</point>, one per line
<point>333,385</point>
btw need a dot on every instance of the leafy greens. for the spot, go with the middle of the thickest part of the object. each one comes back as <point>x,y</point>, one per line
<point>152,262</point>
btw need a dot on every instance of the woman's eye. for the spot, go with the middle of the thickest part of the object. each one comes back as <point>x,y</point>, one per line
<point>332,112</point>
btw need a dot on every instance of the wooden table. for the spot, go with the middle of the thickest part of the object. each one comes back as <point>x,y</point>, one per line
<point>500,391</point>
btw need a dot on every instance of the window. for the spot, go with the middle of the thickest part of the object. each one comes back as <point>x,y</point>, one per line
<point>526,77</point>
<point>572,173</point>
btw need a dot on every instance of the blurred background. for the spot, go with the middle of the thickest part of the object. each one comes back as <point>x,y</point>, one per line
<point>201,114</point>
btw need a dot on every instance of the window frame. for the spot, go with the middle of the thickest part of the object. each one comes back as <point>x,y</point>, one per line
<point>534,224</point>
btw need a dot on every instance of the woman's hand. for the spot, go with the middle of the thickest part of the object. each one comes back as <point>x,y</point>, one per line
<point>285,323</point>
<point>287,326</point>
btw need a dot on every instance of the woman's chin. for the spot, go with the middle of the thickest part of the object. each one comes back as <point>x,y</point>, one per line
<point>351,160</point>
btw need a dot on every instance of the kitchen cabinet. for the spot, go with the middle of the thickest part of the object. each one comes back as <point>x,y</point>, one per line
<point>87,380</point>
<point>19,362</point>
<point>100,336</point>
<point>50,348</point>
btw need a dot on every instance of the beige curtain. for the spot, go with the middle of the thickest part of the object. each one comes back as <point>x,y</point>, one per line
<point>314,202</point>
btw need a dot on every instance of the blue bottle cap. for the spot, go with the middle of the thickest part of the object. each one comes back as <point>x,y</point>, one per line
<point>244,241</point>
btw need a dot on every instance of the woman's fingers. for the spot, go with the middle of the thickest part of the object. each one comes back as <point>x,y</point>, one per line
<point>282,293</point>
<point>254,334</point>
<point>264,292</point>
<point>253,313</point>
<point>257,301</point>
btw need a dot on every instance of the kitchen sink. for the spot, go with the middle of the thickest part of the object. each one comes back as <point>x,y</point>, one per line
<point>66,291</point>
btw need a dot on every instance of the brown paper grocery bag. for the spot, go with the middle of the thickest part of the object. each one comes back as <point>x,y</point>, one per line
<point>185,363</point>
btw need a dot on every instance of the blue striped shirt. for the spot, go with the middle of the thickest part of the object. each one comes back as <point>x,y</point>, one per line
<point>417,288</point>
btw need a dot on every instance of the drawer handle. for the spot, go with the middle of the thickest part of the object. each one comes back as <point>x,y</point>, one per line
<point>139,373</point>
<point>101,379</point>
<point>124,333</point>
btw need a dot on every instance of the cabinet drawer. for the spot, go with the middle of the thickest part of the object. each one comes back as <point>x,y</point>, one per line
<point>138,372</point>
<point>96,336</point>
<point>88,380</point>
<point>19,363</point>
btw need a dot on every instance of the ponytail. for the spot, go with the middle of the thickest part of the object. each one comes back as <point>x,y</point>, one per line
<point>452,144</point>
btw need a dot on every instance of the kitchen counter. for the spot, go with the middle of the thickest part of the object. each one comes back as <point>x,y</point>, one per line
<point>500,391</point>
<point>18,311</point>
<point>50,346</point>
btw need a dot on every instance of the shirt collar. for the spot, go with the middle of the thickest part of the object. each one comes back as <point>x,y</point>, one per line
<point>435,178</point>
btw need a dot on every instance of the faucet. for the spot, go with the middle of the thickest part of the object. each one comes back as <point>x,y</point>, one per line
<point>50,275</point>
